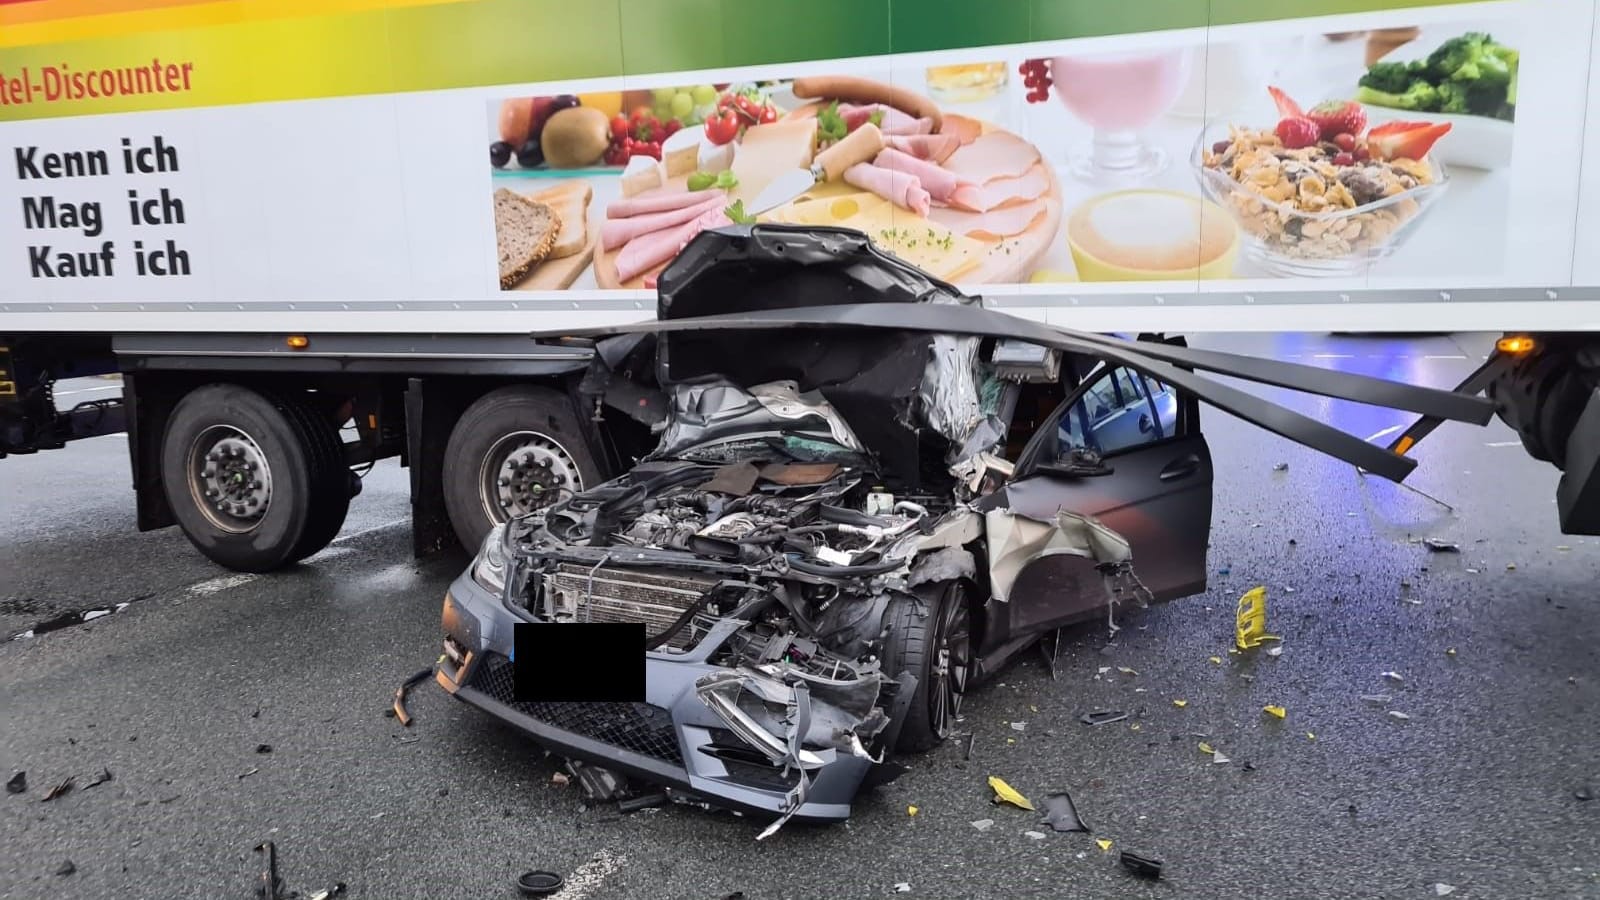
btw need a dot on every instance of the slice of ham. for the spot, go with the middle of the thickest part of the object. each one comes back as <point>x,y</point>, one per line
<point>647,251</point>
<point>939,183</point>
<point>656,201</point>
<point>964,129</point>
<point>616,232</point>
<point>1029,186</point>
<point>998,154</point>
<point>992,225</point>
<point>894,121</point>
<point>903,190</point>
<point>932,147</point>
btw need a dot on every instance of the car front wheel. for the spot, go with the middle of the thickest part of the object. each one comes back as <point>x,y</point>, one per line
<point>931,637</point>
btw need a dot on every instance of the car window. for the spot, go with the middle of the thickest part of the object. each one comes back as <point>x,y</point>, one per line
<point>1119,409</point>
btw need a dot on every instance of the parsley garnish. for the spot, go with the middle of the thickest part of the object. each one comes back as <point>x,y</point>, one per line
<point>830,125</point>
<point>737,214</point>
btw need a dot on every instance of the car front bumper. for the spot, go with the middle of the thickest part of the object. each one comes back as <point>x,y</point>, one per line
<point>672,739</point>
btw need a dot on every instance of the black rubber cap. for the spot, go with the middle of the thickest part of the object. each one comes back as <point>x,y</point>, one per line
<point>538,884</point>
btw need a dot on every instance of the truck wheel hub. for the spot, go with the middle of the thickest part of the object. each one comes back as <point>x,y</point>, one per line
<point>230,478</point>
<point>524,472</point>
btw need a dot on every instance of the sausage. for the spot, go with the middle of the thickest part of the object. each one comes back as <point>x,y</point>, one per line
<point>852,89</point>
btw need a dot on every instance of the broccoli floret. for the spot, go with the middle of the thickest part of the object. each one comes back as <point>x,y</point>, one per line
<point>1388,77</point>
<point>1473,58</point>
<point>1453,98</point>
<point>1451,55</point>
<point>1510,57</point>
<point>1419,96</point>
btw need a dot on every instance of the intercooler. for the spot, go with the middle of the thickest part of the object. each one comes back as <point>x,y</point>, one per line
<point>578,593</point>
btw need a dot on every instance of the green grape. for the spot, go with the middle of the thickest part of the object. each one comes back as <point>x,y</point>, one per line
<point>703,94</point>
<point>681,105</point>
<point>663,96</point>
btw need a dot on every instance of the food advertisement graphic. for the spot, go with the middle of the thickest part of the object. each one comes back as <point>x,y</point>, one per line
<point>1311,155</point>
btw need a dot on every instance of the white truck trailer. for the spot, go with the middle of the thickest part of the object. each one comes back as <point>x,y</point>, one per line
<point>279,222</point>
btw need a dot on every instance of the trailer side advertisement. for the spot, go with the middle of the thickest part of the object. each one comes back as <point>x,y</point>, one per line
<point>405,152</point>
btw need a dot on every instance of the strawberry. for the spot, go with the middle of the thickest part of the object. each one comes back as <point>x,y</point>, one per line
<point>1409,140</point>
<point>1336,117</point>
<point>1297,132</point>
<point>1287,108</point>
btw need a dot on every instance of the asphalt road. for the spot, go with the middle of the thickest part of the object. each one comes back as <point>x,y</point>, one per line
<point>1499,669</point>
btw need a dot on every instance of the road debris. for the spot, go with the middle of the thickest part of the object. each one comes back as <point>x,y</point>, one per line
<point>1311,736</point>
<point>1274,652</point>
<point>1216,660</point>
<point>1585,793</point>
<point>982,824</point>
<point>1397,714</point>
<point>966,753</point>
<point>1511,567</point>
<point>1061,814</point>
<point>1207,749</point>
<point>902,887</point>
<point>1437,545</point>
<point>1280,467</point>
<point>399,707</point>
<point>648,801</point>
<point>600,785</point>
<point>104,776</point>
<point>1005,793</point>
<point>247,773</point>
<point>61,789</point>
<point>1036,835</point>
<point>1126,671</point>
<point>1019,726</point>
<point>1180,703</point>
<point>1102,717</point>
<point>1275,711</point>
<point>263,748</point>
<point>560,779</point>
<point>271,884</point>
<point>66,868</point>
<point>1143,866</point>
<point>1250,620</point>
<point>1103,844</point>
<point>539,883</point>
<point>1449,651</point>
<point>1441,889</point>
<point>1376,698</point>
<point>17,783</point>
<point>912,811</point>
<point>338,888</point>
<point>1394,677</point>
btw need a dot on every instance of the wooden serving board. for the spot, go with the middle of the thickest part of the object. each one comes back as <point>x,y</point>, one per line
<point>605,261</point>
<point>559,274</point>
<point>1009,260</point>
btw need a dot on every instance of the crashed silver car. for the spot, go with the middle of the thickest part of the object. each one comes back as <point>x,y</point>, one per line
<point>866,494</point>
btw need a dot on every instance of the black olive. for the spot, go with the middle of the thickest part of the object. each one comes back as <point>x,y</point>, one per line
<point>563,101</point>
<point>499,154</point>
<point>530,155</point>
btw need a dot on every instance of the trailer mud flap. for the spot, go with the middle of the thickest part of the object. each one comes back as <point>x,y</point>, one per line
<point>1578,494</point>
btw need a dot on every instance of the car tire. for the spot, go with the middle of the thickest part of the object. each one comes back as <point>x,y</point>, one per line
<point>255,481</point>
<point>528,435</point>
<point>930,636</point>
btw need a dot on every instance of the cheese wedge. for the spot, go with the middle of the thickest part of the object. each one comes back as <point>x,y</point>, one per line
<point>768,151</point>
<point>927,245</point>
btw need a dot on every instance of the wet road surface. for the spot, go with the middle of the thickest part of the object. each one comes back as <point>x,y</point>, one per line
<point>1476,790</point>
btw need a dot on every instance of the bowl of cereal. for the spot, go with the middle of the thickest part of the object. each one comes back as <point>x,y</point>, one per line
<point>1315,210</point>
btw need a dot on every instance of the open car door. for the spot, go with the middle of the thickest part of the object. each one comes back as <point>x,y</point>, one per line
<point>1146,476</point>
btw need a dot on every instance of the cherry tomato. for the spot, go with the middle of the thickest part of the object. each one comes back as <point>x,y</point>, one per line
<point>768,115</point>
<point>722,127</point>
<point>639,114</point>
<point>672,127</point>
<point>619,127</point>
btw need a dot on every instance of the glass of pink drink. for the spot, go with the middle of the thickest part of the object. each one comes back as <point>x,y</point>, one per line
<point>1119,95</point>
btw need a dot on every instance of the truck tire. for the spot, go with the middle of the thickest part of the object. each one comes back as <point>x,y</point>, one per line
<point>1541,399</point>
<point>931,637</point>
<point>256,482</point>
<point>512,451</point>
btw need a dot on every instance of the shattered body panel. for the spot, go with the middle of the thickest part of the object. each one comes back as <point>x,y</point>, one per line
<point>865,495</point>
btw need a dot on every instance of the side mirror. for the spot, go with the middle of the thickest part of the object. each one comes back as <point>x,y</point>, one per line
<point>1145,426</point>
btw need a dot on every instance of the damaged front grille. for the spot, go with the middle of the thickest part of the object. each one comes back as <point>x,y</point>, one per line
<point>578,593</point>
<point>635,727</point>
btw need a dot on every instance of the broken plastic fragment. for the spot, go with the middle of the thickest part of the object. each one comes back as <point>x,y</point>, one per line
<point>902,887</point>
<point>1019,726</point>
<point>1449,651</point>
<point>1274,651</point>
<point>1280,467</point>
<point>1005,793</point>
<point>1126,671</point>
<point>1180,703</point>
<point>1206,748</point>
<point>1276,711</point>
<point>1219,759</point>
<point>1310,736</point>
<point>1250,620</point>
<point>1143,866</point>
<point>1511,567</point>
<point>1217,660</point>
<point>1397,714</point>
<point>1061,814</point>
<point>1437,545</point>
<point>1036,835</point>
<point>1393,676</point>
<point>1440,889</point>
<point>17,783</point>
<point>1102,717</point>
<point>1104,844</point>
<point>1375,698</point>
<point>982,824</point>
<point>911,810</point>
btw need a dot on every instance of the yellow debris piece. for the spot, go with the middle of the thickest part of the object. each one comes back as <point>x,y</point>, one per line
<point>1180,703</point>
<point>1217,660</point>
<point>1207,749</point>
<point>1250,622</point>
<point>1310,736</point>
<point>1278,711</point>
<point>1126,671</point>
<point>911,810</point>
<point>1005,793</point>
<point>1104,844</point>
<point>1134,727</point>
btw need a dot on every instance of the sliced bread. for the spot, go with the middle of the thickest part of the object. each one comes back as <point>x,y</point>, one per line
<point>570,200</point>
<point>524,231</point>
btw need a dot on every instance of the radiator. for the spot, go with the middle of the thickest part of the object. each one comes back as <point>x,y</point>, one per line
<point>617,594</point>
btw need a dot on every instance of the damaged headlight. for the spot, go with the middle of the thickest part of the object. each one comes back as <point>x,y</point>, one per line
<point>489,567</point>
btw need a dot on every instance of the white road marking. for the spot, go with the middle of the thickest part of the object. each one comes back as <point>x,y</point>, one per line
<point>365,531</point>
<point>1384,433</point>
<point>1333,356</point>
<point>1444,357</point>
<point>1504,444</point>
<point>221,583</point>
<point>586,879</point>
